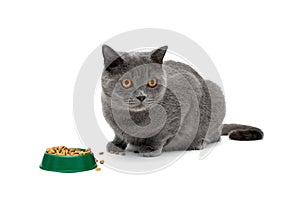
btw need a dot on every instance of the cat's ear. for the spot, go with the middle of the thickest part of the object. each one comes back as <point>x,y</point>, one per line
<point>111,57</point>
<point>157,55</point>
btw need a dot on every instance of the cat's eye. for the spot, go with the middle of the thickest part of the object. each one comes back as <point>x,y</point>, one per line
<point>126,83</point>
<point>152,82</point>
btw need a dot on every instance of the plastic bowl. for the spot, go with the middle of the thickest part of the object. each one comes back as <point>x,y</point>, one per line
<point>68,164</point>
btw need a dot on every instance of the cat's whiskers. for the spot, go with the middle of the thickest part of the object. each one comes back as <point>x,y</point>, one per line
<point>130,101</point>
<point>150,101</point>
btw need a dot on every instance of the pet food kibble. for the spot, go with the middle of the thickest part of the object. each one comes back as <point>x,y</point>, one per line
<point>65,151</point>
<point>101,161</point>
<point>101,153</point>
<point>98,169</point>
<point>123,153</point>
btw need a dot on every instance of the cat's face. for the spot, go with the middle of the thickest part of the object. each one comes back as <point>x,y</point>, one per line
<point>135,81</point>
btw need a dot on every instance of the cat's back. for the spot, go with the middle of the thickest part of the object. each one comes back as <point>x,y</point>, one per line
<point>174,68</point>
<point>207,91</point>
<point>186,70</point>
<point>210,102</point>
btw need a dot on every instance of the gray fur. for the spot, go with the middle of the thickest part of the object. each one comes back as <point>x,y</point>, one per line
<point>194,107</point>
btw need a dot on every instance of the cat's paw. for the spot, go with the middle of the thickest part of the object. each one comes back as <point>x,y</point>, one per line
<point>112,147</point>
<point>151,154</point>
<point>147,151</point>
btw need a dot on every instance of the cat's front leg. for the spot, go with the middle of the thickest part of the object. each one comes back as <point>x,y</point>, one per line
<point>117,145</point>
<point>150,150</point>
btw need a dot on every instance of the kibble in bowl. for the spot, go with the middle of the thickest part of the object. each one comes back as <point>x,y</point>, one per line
<point>65,151</point>
<point>68,160</point>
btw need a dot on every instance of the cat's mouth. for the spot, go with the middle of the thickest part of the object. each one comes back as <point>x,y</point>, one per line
<point>138,105</point>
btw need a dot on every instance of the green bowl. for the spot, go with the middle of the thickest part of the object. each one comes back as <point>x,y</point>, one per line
<point>68,164</point>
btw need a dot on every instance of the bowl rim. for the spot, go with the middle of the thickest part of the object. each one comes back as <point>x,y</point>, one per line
<point>79,156</point>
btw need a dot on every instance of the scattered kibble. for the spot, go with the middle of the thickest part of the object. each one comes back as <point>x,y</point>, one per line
<point>101,161</point>
<point>98,169</point>
<point>123,153</point>
<point>101,153</point>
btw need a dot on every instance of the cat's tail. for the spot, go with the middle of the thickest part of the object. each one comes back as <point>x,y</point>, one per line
<point>242,132</point>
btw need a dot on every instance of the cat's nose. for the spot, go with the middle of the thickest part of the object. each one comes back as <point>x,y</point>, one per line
<point>141,97</point>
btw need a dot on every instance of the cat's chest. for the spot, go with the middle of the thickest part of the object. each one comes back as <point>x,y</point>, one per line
<point>140,118</point>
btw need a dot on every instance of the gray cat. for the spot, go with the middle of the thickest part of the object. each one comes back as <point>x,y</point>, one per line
<point>158,106</point>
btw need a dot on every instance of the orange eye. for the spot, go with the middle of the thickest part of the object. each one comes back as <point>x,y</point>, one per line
<point>152,82</point>
<point>126,83</point>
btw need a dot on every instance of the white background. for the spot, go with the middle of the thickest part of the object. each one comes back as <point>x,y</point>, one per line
<point>254,44</point>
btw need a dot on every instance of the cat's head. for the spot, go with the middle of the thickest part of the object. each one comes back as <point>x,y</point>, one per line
<point>134,80</point>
